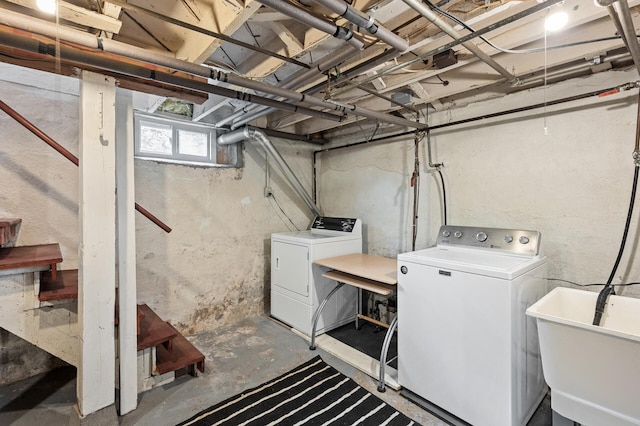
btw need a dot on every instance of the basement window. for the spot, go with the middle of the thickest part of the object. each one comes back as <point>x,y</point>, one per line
<point>184,142</point>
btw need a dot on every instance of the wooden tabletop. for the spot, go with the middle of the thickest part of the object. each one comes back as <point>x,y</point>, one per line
<point>376,268</point>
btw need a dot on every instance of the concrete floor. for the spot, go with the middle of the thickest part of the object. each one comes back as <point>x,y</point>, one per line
<point>237,357</point>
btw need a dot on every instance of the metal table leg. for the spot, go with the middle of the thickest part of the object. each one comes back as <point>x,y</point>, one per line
<point>316,315</point>
<point>383,353</point>
<point>358,308</point>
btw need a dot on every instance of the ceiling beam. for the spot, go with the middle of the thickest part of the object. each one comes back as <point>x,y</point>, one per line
<point>78,15</point>
<point>222,17</point>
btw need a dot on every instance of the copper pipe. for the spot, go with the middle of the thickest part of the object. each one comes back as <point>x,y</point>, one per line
<point>69,156</point>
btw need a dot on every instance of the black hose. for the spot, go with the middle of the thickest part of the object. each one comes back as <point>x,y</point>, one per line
<point>626,226</point>
<point>444,197</point>
<point>608,288</point>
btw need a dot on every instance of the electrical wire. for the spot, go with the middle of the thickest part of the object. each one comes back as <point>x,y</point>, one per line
<point>272,195</point>
<point>592,284</point>
<point>608,288</point>
<point>516,51</point>
<point>626,226</point>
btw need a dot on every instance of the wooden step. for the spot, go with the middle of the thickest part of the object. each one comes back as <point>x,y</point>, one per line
<point>154,331</point>
<point>30,257</point>
<point>9,229</point>
<point>65,286</point>
<point>183,355</point>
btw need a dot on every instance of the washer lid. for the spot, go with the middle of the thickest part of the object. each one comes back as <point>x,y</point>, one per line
<point>474,261</point>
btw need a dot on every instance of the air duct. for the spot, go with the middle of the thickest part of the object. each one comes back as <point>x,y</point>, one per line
<point>249,133</point>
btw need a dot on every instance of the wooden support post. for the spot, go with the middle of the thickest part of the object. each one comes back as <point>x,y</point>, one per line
<point>96,283</point>
<point>127,325</point>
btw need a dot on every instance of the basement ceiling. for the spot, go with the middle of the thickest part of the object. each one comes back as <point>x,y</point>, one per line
<point>368,82</point>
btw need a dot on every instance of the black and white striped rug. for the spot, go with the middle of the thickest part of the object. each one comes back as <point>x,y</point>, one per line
<point>312,394</point>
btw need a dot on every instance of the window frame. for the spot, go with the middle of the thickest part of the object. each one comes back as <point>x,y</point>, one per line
<point>176,157</point>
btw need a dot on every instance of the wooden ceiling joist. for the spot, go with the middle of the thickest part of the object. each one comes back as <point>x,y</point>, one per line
<point>78,15</point>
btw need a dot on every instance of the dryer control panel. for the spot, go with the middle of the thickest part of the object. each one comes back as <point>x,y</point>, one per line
<point>514,241</point>
<point>336,224</point>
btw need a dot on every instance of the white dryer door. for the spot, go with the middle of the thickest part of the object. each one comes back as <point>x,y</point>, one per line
<point>290,267</point>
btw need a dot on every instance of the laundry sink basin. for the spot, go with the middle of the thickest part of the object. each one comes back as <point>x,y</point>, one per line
<point>593,372</point>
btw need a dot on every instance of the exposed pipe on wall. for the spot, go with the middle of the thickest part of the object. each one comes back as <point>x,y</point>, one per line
<point>252,134</point>
<point>283,6</point>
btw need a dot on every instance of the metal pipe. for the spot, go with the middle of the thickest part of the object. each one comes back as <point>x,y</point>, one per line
<point>111,63</point>
<point>300,15</point>
<point>223,37</point>
<point>423,10</point>
<point>367,22</point>
<point>631,40</point>
<point>344,75</point>
<point>121,49</point>
<point>447,46</point>
<point>69,156</point>
<point>295,79</point>
<point>616,21</point>
<point>248,133</point>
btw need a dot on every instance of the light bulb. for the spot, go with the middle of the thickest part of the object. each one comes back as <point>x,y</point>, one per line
<point>48,6</point>
<point>556,21</point>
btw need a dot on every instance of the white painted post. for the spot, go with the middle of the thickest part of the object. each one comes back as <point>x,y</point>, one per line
<point>96,286</point>
<point>127,327</point>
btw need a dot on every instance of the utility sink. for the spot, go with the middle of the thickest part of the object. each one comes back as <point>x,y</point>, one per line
<point>593,371</point>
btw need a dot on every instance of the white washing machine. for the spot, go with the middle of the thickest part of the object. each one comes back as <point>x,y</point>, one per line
<point>466,349</point>
<point>298,287</point>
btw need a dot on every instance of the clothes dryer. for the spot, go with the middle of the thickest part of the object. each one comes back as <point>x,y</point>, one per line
<point>298,287</point>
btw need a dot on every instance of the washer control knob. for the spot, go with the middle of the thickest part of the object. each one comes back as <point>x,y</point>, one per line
<point>446,233</point>
<point>481,236</point>
<point>404,269</point>
<point>508,238</point>
<point>457,234</point>
<point>524,239</point>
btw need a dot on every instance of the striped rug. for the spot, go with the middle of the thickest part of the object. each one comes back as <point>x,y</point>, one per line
<point>312,394</point>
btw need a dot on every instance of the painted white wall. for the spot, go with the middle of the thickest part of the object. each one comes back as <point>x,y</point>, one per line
<point>573,184</point>
<point>212,269</point>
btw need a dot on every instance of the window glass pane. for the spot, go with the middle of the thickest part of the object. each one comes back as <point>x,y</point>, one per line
<point>155,138</point>
<point>193,143</point>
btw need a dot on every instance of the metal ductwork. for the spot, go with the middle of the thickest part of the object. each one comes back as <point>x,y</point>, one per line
<point>300,15</point>
<point>252,134</point>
